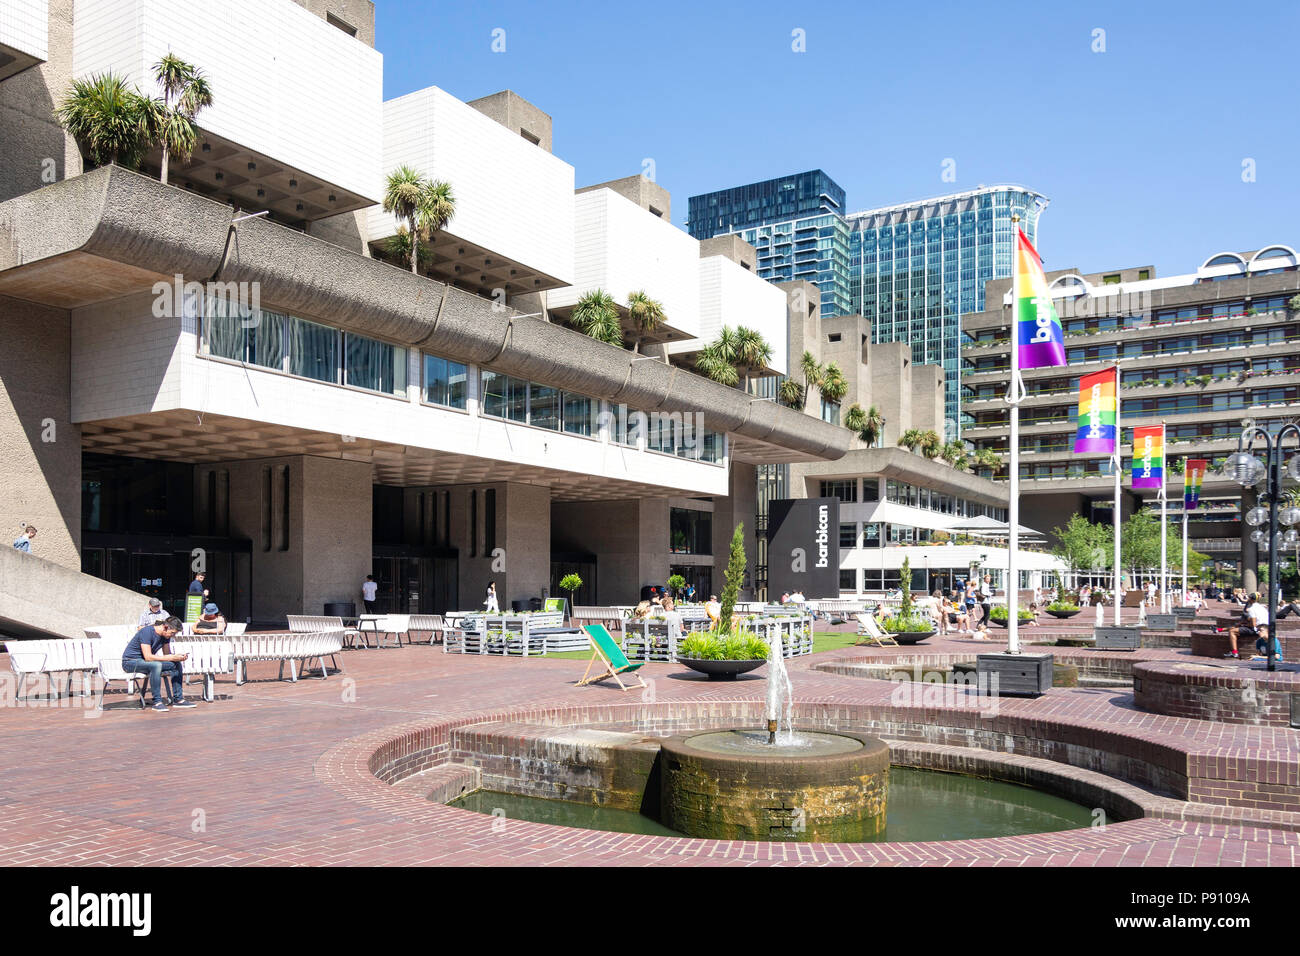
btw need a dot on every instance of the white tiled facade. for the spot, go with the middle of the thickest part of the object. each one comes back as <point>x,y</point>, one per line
<point>287,84</point>
<point>24,26</point>
<point>621,248</point>
<point>126,361</point>
<point>512,197</point>
<point>732,295</point>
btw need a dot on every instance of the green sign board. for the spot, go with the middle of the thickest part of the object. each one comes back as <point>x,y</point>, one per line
<point>193,607</point>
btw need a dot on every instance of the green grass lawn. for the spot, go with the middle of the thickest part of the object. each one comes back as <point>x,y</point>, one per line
<point>822,641</point>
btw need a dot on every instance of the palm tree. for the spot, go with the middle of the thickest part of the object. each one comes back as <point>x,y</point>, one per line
<point>108,120</point>
<point>646,313</point>
<point>833,385</point>
<point>954,453</point>
<point>437,207</point>
<point>910,439</point>
<point>404,197</point>
<point>753,352</point>
<point>931,444</point>
<point>791,393</point>
<point>988,458</point>
<point>185,92</point>
<point>596,315</point>
<point>855,418</point>
<point>398,246</point>
<point>872,426</point>
<point>712,362</point>
<point>813,372</point>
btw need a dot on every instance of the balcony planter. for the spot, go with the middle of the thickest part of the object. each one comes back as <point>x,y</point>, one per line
<point>721,670</point>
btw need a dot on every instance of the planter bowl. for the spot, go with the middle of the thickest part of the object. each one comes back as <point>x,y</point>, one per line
<point>914,637</point>
<point>721,670</point>
<point>1064,614</point>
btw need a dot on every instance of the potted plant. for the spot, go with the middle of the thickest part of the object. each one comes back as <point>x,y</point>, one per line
<point>999,615</point>
<point>570,582</point>
<point>723,656</point>
<point>1063,609</point>
<point>676,584</point>
<point>909,625</point>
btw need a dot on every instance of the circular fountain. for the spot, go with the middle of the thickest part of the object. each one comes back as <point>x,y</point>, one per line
<point>774,784</point>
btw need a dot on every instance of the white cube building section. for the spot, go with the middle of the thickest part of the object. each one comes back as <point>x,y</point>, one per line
<point>24,28</point>
<point>312,104</point>
<point>621,248</point>
<point>732,295</point>
<point>513,198</point>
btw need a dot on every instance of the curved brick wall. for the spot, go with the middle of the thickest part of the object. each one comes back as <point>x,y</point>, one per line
<point>1227,694</point>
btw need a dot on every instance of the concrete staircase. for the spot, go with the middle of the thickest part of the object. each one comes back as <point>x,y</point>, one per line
<point>41,599</point>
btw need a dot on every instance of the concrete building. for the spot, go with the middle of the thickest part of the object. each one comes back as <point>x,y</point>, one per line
<point>184,385</point>
<point>1203,352</point>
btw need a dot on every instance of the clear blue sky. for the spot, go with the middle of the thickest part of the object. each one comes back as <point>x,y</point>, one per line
<point>1140,148</point>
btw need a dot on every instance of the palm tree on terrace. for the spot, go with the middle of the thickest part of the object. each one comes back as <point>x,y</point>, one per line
<point>108,119</point>
<point>813,372</point>
<point>911,439</point>
<point>404,193</point>
<point>185,92</point>
<point>647,314</point>
<point>873,425</point>
<point>437,207</point>
<point>791,393</point>
<point>596,315</point>
<point>931,444</point>
<point>988,458</point>
<point>855,418</point>
<point>954,453</point>
<point>753,352</point>
<point>715,361</point>
<point>833,385</point>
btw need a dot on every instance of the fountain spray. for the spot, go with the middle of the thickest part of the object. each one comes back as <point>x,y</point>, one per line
<point>780,692</point>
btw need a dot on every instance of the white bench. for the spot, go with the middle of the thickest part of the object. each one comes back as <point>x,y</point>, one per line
<point>309,624</point>
<point>420,623</point>
<point>397,625</point>
<point>59,658</point>
<point>287,649</point>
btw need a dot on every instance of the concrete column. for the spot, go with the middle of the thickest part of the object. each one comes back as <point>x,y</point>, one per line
<point>40,447</point>
<point>527,541</point>
<point>1249,549</point>
<point>740,506</point>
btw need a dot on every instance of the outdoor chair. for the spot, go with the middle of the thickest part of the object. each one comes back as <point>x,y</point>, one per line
<point>420,623</point>
<point>394,624</point>
<point>607,652</point>
<point>871,633</point>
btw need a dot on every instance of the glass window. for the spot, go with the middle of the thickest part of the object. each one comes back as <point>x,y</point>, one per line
<point>313,350</point>
<point>848,580</point>
<point>444,382</point>
<point>871,535</point>
<point>504,397</point>
<point>870,489</point>
<point>848,535</point>
<point>578,414</point>
<point>375,365</point>
<point>544,406</point>
<point>691,532</point>
<point>236,333</point>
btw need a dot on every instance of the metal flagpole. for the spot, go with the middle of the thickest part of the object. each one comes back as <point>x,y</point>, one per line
<point>1015,395</point>
<point>1164,535</point>
<point>1184,550</point>
<point>1119,435</point>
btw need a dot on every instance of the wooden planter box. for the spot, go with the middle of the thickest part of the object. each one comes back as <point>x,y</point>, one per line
<point>1117,637</point>
<point>1162,622</point>
<point>1021,675</point>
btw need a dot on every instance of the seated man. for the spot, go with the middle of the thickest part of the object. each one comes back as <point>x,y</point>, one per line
<point>713,609</point>
<point>144,654</point>
<point>211,622</point>
<point>1254,624</point>
<point>152,614</point>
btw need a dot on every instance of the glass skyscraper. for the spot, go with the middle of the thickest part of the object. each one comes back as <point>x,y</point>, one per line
<point>913,269</point>
<point>797,225</point>
<point>918,267</point>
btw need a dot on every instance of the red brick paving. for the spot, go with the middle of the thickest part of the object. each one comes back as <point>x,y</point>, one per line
<point>279,773</point>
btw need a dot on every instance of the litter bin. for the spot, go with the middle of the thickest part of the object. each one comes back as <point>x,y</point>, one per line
<point>535,604</point>
<point>515,608</point>
<point>340,609</point>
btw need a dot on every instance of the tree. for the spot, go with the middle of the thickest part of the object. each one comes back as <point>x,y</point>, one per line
<point>791,393</point>
<point>931,444</point>
<point>596,315</point>
<point>873,426</point>
<point>834,386</point>
<point>855,418</point>
<point>1140,542</point>
<point>954,453</point>
<point>398,246</point>
<point>185,92</point>
<point>732,577</point>
<point>108,120</point>
<point>646,313</point>
<point>1082,545</point>
<point>813,372</point>
<point>570,582</point>
<point>404,196</point>
<point>437,208</point>
<point>712,363</point>
<point>988,458</point>
<point>911,439</point>
<point>905,582</point>
<point>753,352</point>
<point>677,584</point>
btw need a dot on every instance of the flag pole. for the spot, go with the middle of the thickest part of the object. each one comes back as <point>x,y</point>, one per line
<point>1015,394</point>
<point>1164,534</point>
<point>1119,437</point>
<point>1184,551</point>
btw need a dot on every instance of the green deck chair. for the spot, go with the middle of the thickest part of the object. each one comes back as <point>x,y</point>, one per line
<point>606,650</point>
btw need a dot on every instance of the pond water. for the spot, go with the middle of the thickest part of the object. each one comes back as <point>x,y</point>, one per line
<point>924,805</point>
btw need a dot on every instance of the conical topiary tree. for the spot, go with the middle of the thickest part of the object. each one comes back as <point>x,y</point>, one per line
<point>732,577</point>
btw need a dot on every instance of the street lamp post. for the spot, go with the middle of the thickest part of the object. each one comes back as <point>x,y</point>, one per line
<point>1247,470</point>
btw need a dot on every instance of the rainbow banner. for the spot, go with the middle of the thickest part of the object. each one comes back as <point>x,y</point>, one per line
<point>1149,456</point>
<point>1039,336</point>
<point>1097,413</point>
<point>1193,475</point>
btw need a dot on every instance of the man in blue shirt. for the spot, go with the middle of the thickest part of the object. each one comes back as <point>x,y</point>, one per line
<point>144,655</point>
<point>24,541</point>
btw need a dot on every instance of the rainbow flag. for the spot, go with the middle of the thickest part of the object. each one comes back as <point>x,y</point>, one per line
<point>1097,413</point>
<point>1149,456</point>
<point>1193,475</point>
<point>1039,337</point>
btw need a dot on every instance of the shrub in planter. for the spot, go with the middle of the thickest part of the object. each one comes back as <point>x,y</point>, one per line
<point>1070,606</point>
<point>907,624</point>
<point>743,646</point>
<point>999,615</point>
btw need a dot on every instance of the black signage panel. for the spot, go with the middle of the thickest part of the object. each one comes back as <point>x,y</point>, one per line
<point>803,547</point>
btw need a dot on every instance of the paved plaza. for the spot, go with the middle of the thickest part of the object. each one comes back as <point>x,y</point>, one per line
<point>280,773</point>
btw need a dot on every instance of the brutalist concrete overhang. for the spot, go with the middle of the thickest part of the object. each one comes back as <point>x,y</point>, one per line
<point>112,232</point>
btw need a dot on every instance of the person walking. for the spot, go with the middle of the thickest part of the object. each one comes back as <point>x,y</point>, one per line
<point>24,541</point>
<point>197,586</point>
<point>490,601</point>
<point>369,593</point>
<point>986,598</point>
